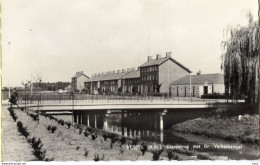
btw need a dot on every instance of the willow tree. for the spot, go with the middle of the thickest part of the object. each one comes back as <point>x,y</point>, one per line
<point>240,61</point>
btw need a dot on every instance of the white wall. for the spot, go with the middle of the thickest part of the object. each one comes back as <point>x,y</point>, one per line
<point>80,82</point>
<point>199,89</point>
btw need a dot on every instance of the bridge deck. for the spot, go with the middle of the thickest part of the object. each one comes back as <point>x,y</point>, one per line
<point>59,107</point>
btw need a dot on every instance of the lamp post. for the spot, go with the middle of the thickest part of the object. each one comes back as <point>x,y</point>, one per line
<point>190,89</point>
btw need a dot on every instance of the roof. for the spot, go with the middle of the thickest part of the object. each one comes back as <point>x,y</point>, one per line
<point>113,76</point>
<point>78,75</point>
<point>201,79</point>
<point>95,78</point>
<point>132,74</point>
<point>159,61</point>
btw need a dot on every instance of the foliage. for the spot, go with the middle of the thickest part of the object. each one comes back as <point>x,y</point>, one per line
<point>143,148</point>
<point>68,124</point>
<point>240,61</point>
<point>93,136</point>
<point>97,158</point>
<point>156,153</point>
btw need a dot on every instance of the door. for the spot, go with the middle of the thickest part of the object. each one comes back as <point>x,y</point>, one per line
<point>205,90</point>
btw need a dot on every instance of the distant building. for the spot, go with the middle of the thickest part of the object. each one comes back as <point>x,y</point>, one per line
<point>77,81</point>
<point>131,82</point>
<point>106,82</point>
<point>93,83</point>
<point>111,82</point>
<point>197,85</point>
<point>157,74</point>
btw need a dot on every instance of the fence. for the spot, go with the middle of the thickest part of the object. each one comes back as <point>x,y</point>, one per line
<point>62,98</point>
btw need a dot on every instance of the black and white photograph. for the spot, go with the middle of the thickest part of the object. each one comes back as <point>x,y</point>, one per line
<point>129,80</point>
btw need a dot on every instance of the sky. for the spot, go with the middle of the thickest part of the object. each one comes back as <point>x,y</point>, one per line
<point>57,38</point>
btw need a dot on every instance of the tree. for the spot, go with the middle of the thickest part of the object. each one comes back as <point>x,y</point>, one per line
<point>240,61</point>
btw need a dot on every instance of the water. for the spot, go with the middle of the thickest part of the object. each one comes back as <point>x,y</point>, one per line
<point>145,131</point>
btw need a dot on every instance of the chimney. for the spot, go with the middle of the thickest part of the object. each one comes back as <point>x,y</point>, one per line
<point>123,70</point>
<point>114,71</point>
<point>132,69</point>
<point>103,73</point>
<point>158,56</point>
<point>128,69</point>
<point>150,58</point>
<point>168,54</point>
<point>118,71</point>
<point>99,74</point>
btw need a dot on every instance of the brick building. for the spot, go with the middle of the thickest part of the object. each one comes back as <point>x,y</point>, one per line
<point>157,74</point>
<point>93,83</point>
<point>131,82</point>
<point>106,82</point>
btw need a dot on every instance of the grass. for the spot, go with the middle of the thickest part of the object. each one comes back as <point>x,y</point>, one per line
<point>244,130</point>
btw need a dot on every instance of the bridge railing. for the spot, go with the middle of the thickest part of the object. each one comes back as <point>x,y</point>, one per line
<point>99,98</point>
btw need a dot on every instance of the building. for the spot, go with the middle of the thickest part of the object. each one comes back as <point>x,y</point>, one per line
<point>197,85</point>
<point>131,82</point>
<point>112,81</point>
<point>93,83</point>
<point>157,74</point>
<point>77,81</point>
<point>109,82</point>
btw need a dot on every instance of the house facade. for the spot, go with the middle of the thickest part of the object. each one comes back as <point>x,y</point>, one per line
<point>198,85</point>
<point>157,74</point>
<point>77,81</point>
<point>109,82</point>
<point>131,82</point>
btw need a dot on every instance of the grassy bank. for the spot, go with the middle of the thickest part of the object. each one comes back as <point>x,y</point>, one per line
<point>78,142</point>
<point>245,129</point>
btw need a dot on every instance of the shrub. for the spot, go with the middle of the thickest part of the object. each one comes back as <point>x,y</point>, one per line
<point>114,139</point>
<point>135,141</point>
<point>68,124</point>
<point>156,153</point>
<point>86,133</point>
<point>61,122</point>
<point>96,158</point>
<point>94,136</point>
<point>76,126</point>
<point>202,157</point>
<point>19,124</point>
<point>86,153</point>
<point>143,148</point>
<point>122,140</point>
<point>39,154</point>
<point>80,130</point>
<point>15,118</point>
<point>34,116</point>
<point>77,148</point>
<point>91,130</point>
<point>105,136</point>
<point>22,129</point>
<point>53,129</point>
<point>49,127</point>
<point>170,154</point>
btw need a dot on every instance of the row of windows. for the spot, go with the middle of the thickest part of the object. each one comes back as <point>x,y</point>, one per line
<point>149,77</point>
<point>131,81</point>
<point>149,69</point>
<point>109,82</point>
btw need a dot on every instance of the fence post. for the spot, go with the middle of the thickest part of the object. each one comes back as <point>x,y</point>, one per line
<point>25,101</point>
<point>38,112</point>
